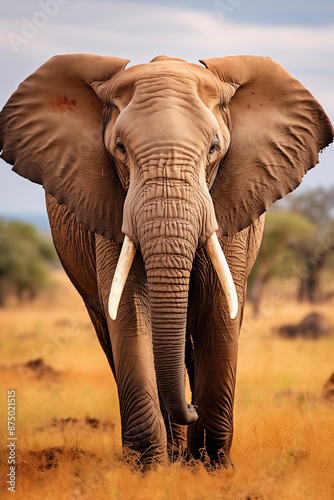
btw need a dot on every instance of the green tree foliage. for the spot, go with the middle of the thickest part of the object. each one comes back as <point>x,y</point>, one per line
<point>284,234</point>
<point>298,242</point>
<point>316,205</point>
<point>24,259</point>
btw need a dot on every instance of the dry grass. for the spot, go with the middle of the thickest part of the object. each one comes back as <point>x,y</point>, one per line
<point>68,423</point>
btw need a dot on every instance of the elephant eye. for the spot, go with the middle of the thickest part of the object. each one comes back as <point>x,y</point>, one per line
<point>119,145</point>
<point>214,145</point>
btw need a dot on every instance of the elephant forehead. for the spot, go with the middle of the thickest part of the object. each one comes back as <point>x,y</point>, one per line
<point>164,77</point>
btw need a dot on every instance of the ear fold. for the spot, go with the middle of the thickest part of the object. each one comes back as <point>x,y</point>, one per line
<point>51,130</point>
<point>277,130</point>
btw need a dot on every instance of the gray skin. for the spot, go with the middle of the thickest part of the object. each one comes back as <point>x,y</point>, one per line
<point>166,153</point>
<point>211,338</point>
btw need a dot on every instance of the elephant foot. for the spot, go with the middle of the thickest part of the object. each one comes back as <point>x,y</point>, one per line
<point>220,459</point>
<point>143,462</point>
<point>176,453</point>
<point>145,445</point>
<point>176,436</point>
<point>176,441</point>
<point>210,463</point>
<point>196,441</point>
<point>212,452</point>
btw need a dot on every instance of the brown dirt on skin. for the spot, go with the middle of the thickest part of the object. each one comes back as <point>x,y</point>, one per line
<point>62,103</point>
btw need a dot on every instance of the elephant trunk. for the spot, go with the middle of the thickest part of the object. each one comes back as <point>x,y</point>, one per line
<point>169,224</point>
<point>168,277</point>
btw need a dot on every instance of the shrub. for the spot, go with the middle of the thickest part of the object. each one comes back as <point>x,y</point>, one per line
<point>25,256</point>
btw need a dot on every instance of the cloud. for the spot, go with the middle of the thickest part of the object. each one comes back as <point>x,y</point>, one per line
<point>140,31</point>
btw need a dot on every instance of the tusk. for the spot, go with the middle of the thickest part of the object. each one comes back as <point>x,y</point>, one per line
<point>121,273</point>
<point>218,259</point>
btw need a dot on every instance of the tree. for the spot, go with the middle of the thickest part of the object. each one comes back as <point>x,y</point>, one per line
<point>315,256</point>
<point>298,241</point>
<point>317,205</point>
<point>24,259</point>
<point>284,236</point>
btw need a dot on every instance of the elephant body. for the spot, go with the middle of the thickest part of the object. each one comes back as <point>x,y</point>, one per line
<point>157,179</point>
<point>211,344</point>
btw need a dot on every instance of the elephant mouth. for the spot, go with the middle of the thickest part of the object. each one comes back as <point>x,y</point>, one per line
<point>215,253</point>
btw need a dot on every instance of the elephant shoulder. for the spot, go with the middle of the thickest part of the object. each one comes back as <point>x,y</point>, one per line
<point>75,246</point>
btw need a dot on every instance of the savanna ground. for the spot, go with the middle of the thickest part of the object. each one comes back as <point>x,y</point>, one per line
<point>68,428</point>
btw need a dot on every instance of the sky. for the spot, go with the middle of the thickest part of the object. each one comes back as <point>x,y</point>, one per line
<point>299,34</point>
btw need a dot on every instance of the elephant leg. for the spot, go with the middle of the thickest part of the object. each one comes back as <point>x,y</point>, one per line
<point>215,346</point>
<point>176,435</point>
<point>214,396</point>
<point>101,329</point>
<point>143,428</point>
<point>76,250</point>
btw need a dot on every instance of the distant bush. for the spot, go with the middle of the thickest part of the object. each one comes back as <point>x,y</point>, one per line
<point>25,258</point>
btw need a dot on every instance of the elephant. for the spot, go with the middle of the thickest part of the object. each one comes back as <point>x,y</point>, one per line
<point>157,179</point>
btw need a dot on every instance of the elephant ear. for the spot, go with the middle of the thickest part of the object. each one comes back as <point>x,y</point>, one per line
<point>277,130</point>
<point>51,131</point>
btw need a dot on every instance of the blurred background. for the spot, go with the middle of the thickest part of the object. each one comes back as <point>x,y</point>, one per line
<point>49,351</point>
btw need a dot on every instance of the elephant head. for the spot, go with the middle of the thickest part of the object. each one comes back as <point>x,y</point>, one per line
<point>169,154</point>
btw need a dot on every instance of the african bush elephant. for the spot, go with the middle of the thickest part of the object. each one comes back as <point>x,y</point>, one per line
<point>156,169</point>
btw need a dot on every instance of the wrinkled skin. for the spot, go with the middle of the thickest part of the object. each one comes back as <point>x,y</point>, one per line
<point>166,153</point>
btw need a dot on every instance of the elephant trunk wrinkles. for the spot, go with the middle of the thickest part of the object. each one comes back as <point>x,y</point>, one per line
<point>168,291</point>
<point>168,216</point>
<point>168,235</point>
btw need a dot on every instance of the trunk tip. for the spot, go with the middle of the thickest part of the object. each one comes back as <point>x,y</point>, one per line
<point>189,416</point>
<point>193,412</point>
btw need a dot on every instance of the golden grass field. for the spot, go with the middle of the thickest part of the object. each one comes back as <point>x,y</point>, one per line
<point>68,430</point>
